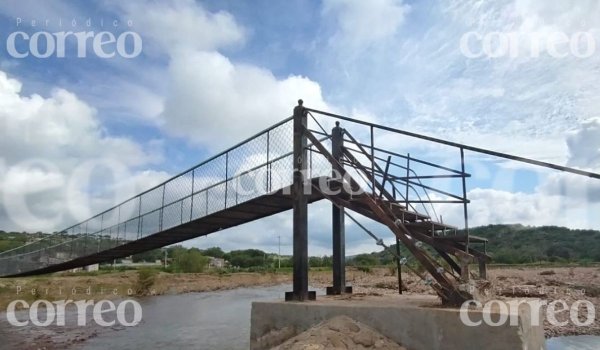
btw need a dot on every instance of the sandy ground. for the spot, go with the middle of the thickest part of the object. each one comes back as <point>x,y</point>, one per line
<point>339,333</point>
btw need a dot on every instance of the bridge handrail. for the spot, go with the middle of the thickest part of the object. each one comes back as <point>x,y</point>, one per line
<point>462,146</point>
<point>166,204</point>
<point>206,161</point>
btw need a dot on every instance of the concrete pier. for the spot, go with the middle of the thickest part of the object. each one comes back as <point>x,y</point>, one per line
<point>415,322</point>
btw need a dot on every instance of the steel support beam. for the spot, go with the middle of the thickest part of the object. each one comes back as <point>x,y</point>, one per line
<point>300,209</point>
<point>483,264</point>
<point>337,221</point>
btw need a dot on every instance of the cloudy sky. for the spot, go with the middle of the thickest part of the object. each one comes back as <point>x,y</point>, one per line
<point>79,134</point>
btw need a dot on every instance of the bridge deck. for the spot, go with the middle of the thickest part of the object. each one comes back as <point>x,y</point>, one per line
<point>254,209</point>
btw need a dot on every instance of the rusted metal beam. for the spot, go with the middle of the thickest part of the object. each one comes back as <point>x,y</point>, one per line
<point>449,293</point>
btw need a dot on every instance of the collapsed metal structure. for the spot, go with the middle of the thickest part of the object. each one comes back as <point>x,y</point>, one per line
<point>289,165</point>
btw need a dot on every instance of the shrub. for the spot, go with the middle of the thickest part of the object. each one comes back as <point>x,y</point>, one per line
<point>145,281</point>
<point>366,269</point>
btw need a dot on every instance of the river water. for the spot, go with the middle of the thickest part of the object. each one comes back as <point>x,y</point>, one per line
<point>210,320</point>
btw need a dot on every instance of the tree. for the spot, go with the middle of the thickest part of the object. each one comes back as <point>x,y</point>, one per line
<point>214,252</point>
<point>149,256</point>
<point>558,251</point>
<point>249,258</point>
<point>318,261</point>
<point>365,260</point>
<point>189,261</point>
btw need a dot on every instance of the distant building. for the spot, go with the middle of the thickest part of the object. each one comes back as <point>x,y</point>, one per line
<point>94,267</point>
<point>216,263</point>
<point>89,268</point>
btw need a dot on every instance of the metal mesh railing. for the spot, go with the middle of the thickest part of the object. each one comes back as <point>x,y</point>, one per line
<point>255,167</point>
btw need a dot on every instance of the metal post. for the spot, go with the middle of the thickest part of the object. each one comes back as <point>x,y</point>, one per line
<point>118,227</point>
<point>141,227</point>
<point>310,172</point>
<point>464,264</point>
<point>399,266</point>
<point>139,230</point>
<point>162,209</point>
<point>337,220</point>
<point>464,185</point>
<point>373,160</point>
<point>86,239</point>
<point>226,176</point>
<point>407,177</point>
<point>100,235</point>
<point>300,210</point>
<point>192,195</point>
<point>482,265</point>
<point>406,204</point>
<point>268,164</point>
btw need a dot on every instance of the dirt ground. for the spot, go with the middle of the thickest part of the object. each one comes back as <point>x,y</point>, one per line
<point>340,332</point>
<point>549,284</point>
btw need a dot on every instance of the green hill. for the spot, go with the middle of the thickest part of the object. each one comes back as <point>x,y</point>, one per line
<point>508,244</point>
<point>518,244</point>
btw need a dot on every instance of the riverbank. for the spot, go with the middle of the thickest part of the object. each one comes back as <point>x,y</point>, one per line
<point>117,285</point>
<point>550,284</point>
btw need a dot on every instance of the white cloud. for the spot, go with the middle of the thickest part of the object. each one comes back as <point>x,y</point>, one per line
<point>215,102</point>
<point>578,190</point>
<point>34,126</point>
<point>211,100</point>
<point>490,206</point>
<point>55,155</point>
<point>584,145</point>
<point>556,14</point>
<point>362,23</point>
<point>420,81</point>
<point>584,153</point>
<point>183,25</point>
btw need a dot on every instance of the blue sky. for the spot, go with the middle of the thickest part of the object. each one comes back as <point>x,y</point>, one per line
<point>212,73</point>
